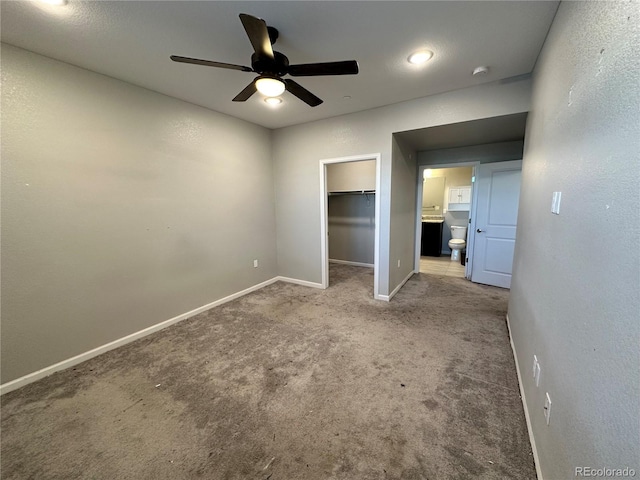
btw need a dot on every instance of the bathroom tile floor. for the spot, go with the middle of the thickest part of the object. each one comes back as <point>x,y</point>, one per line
<point>442,266</point>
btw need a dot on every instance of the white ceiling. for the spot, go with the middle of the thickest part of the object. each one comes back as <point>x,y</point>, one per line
<point>132,41</point>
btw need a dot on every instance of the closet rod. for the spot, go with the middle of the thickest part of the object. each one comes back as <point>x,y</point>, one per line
<point>353,192</point>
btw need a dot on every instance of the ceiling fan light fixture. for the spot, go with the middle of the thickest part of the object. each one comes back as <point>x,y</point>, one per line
<point>270,87</point>
<point>273,101</point>
<point>420,57</point>
<point>271,65</point>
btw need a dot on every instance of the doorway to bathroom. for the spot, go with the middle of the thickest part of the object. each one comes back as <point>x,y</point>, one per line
<point>445,202</point>
<point>487,207</point>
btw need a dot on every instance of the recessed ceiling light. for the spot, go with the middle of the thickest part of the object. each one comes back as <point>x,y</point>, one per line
<point>479,71</point>
<point>420,57</point>
<point>273,100</point>
<point>57,3</point>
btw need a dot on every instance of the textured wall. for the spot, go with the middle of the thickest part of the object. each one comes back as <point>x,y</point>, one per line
<point>575,295</point>
<point>490,152</point>
<point>298,150</point>
<point>351,221</point>
<point>121,208</point>
<point>347,176</point>
<point>403,212</point>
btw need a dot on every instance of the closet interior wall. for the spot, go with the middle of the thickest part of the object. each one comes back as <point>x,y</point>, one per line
<point>351,212</point>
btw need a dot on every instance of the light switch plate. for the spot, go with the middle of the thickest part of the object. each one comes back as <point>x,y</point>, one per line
<point>555,203</point>
<point>547,408</point>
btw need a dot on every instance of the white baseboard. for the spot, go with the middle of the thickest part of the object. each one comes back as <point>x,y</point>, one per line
<point>532,439</point>
<point>299,282</point>
<point>70,362</point>
<point>355,264</point>
<point>387,298</point>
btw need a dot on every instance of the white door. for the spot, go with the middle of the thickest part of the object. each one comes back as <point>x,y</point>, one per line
<point>498,187</point>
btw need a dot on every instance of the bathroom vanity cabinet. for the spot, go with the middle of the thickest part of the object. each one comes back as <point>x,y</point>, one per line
<point>431,242</point>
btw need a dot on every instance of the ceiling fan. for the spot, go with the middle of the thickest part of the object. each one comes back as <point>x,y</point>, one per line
<point>271,66</point>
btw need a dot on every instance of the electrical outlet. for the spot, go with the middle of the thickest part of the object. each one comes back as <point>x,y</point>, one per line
<point>547,408</point>
<point>255,264</point>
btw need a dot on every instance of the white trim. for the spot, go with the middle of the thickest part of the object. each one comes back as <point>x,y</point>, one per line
<point>418,232</point>
<point>70,362</point>
<point>355,264</point>
<point>305,283</point>
<point>324,207</point>
<point>397,289</point>
<point>471,232</point>
<point>324,227</point>
<point>532,440</point>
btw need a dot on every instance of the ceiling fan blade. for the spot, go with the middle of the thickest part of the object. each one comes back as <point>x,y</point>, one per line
<point>348,67</point>
<point>302,93</point>
<point>258,34</point>
<point>209,63</point>
<point>244,95</point>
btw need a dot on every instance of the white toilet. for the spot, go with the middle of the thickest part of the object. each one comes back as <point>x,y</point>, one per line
<point>457,242</point>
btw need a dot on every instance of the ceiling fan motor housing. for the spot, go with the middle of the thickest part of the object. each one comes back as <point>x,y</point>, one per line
<point>273,34</point>
<point>265,65</point>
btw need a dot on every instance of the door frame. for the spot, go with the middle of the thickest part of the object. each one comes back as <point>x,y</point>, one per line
<point>324,218</point>
<point>472,212</point>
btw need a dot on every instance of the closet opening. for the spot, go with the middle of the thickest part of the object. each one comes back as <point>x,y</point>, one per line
<point>350,214</point>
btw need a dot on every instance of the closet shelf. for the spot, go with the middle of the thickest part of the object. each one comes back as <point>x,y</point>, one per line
<point>353,192</point>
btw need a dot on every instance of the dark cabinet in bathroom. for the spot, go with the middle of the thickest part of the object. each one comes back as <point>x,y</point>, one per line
<point>431,243</point>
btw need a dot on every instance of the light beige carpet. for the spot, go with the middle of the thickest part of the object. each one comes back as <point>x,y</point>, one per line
<point>290,383</point>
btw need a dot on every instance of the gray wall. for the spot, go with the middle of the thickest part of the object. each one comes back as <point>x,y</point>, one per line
<point>349,176</point>
<point>121,208</point>
<point>403,213</point>
<point>575,294</point>
<point>351,222</point>
<point>298,150</point>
